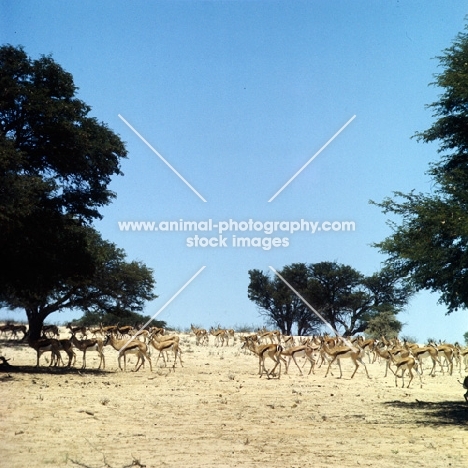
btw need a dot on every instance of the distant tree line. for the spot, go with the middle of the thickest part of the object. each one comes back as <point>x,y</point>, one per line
<point>349,301</point>
<point>96,318</point>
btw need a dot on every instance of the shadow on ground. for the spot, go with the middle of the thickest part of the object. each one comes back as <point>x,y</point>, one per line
<point>7,368</point>
<point>12,344</point>
<point>440,412</point>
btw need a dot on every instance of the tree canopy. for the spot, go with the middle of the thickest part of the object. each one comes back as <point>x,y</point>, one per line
<point>345,298</point>
<point>53,137</point>
<point>429,243</point>
<point>56,163</point>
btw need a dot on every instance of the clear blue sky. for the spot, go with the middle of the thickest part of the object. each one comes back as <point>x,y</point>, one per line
<point>237,96</point>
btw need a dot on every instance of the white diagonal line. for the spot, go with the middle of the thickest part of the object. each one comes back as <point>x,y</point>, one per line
<point>160,157</point>
<point>348,343</point>
<point>312,158</point>
<point>163,307</point>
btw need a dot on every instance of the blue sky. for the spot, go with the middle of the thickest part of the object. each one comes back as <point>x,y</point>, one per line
<point>237,96</point>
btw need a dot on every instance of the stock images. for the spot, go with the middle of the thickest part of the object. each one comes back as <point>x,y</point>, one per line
<point>235,240</point>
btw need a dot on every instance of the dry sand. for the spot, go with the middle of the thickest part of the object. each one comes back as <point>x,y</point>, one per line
<point>217,412</point>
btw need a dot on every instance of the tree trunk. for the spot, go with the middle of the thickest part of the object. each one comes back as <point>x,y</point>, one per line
<point>36,321</point>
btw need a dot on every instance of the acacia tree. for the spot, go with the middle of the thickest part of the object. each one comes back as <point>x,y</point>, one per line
<point>345,298</point>
<point>115,286</point>
<point>272,299</point>
<point>55,166</point>
<point>275,300</point>
<point>348,300</point>
<point>429,243</point>
<point>338,296</point>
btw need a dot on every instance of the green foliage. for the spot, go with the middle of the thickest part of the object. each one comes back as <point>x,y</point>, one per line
<point>384,324</point>
<point>465,337</point>
<point>114,286</point>
<point>55,140</point>
<point>277,303</point>
<point>429,241</point>
<point>56,163</point>
<point>94,319</point>
<point>409,338</point>
<point>346,299</point>
<point>244,328</point>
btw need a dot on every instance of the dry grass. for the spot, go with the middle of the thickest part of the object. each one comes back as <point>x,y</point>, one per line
<point>217,412</point>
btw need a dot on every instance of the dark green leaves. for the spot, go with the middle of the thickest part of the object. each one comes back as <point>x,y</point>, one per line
<point>345,298</point>
<point>430,237</point>
<point>56,164</point>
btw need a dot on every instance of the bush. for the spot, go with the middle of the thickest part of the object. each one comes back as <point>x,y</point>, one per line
<point>93,319</point>
<point>408,338</point>
<point>384,324</point>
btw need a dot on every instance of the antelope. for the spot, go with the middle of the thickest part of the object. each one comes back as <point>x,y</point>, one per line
<point>201,335</point>
<point>46,344</point>
<point>50,331</point>
<point>14,329</point>
<point>108,328</point>
<point>163,339</point>
<point>66,345</point>
<point>220,336</point>
<point>270,335</point>
<point>136,334</point>
<point>427,351</point>
<point>157,330</point>
<point>273,351</point>
<point>289,341</point>
<point>339,353</point>
<point>79,329</point>
<point>386,355</point>
<point>165,345</point>
<point>124,330</point>
<point>94,344</point>
<point>447,352</point>
<point>299,351</point>
<point>368,346</point>
<point>405,364</point>
<point>125,347</point>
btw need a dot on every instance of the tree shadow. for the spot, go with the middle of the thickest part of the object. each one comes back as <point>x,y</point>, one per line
<point>10,344</point>
<point>436,413</point>
<point>6,368</point>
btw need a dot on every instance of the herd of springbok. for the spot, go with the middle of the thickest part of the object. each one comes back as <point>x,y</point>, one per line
<point>329,350</point>
<point>398,357</point>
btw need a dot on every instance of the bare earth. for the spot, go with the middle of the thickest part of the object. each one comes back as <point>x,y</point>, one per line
<point>217,412</point>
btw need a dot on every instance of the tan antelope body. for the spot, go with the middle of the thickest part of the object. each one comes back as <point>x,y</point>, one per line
<point>343,352</point>
<point>273,351</point>
<point>93,344</point>
<point>163,346</point>
<point>125,347</point>
<point>298,351</point>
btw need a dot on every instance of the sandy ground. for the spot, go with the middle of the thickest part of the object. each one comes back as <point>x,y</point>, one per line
<point>217,412</point>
